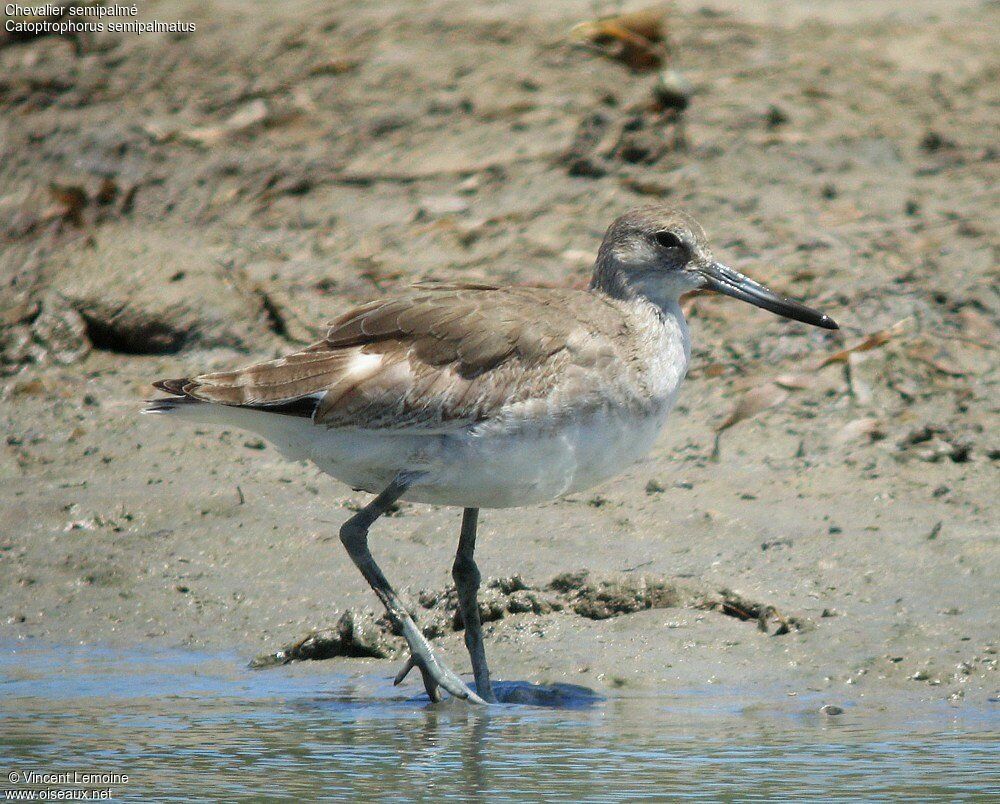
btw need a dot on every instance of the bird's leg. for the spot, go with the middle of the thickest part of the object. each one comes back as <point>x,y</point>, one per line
<point>354,536</point>
<point>467,577</point>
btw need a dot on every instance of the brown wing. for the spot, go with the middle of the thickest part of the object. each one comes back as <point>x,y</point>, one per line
<point>448,355</point>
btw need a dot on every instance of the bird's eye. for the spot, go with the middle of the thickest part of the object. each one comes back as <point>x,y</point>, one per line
<point>669,240</point>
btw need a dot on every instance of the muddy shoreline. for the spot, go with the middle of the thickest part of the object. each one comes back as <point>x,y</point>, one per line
<point>283,167</point>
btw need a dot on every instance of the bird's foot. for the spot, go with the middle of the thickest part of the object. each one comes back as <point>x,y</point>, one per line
<point>436,677</point>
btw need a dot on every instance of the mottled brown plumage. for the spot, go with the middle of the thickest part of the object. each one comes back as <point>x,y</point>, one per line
<point>440,354</point>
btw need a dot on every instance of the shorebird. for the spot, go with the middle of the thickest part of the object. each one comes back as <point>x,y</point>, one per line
<point>481,396</point>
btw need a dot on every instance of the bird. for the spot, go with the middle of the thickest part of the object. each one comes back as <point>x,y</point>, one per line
<point>482,396</point>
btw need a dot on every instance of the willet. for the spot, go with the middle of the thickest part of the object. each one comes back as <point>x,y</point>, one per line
<point>479,396</point>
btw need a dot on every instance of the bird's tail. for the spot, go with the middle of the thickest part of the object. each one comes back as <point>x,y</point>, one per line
<point>177,399</point>
<point>282,430</point>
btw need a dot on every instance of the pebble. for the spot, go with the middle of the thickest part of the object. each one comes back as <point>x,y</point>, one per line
<point>439,206</point>
<point>673,90</point>
<point>776,116</point>
<point>654,487</point>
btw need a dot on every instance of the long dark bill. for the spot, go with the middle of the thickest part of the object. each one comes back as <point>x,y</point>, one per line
<point>724,279</point>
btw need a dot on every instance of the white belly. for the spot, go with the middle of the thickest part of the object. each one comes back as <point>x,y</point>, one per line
<point>490,470</point>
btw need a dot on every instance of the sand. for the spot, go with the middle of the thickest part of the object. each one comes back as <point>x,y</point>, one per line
<point>220,194</point>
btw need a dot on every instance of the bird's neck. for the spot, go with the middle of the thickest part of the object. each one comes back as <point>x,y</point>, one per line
<point>612,279</point>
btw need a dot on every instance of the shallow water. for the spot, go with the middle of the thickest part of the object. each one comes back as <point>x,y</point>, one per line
<point>185,726</point>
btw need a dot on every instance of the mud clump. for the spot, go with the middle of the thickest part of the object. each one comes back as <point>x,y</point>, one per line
<point>498,598</point>
<point>606,143</point>
<point>356,634</point>
<point>768,619</point>
<point>932,443</point>
<point>601,599</point>
<point>361,634</point>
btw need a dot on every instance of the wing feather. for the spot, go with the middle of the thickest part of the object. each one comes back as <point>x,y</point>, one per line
<point>442,357</point>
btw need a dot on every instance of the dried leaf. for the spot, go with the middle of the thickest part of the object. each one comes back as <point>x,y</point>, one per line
<point>128,199</point>
<point>107,192</point>
<point>285,317</point>
<point>753,402</point>
<point>795,382</point>
<point>160,130</point>
<point>857,428</point>
<point>650,187</point>
<point>649,23</point>
<point>71,199</point>
<point>872,341</point>
<point>636,39</point>
<point>241,121</point>
<point>937,359</point>
<point>337,65</point>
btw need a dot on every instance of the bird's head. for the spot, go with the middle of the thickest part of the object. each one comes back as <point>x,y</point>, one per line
<point>660,252</point>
